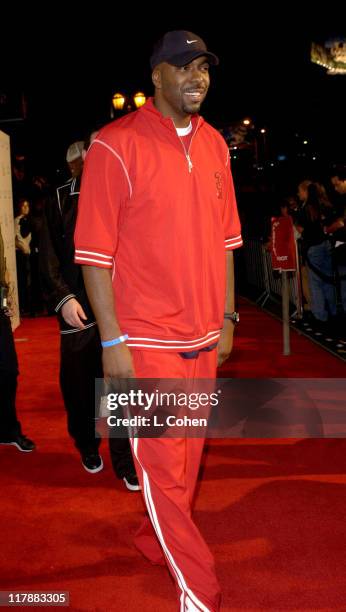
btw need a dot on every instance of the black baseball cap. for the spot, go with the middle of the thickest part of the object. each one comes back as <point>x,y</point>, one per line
<point>179,48</point>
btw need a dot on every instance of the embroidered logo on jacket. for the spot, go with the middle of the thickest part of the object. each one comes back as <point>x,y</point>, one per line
<point>218,183</point>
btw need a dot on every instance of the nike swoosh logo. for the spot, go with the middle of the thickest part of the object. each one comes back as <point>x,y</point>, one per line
<point>189,42</point>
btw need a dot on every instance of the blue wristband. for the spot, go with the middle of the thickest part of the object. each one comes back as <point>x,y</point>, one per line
<point>115,341</point>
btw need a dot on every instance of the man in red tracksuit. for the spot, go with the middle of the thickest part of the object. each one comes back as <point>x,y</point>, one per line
<point>157,223</point>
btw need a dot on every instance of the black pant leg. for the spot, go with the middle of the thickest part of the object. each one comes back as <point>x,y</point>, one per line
<point>79,366</point>
<point>9,424</point>
<point>121,456</point>
<point>81,363</point>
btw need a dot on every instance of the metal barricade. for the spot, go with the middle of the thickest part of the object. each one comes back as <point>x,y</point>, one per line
<point>261,276</point>
<point>256,270</point>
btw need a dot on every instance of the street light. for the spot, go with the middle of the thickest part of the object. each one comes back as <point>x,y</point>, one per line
<point>118,101</point>
<point>263,131</point>
<point>248,123</point>
<point>139,99</point>
<point>121,102</point>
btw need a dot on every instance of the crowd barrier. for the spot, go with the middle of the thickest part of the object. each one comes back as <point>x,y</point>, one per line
<point>268,282</point>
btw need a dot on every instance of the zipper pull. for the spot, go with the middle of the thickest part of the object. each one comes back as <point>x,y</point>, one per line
<point>189,162</point>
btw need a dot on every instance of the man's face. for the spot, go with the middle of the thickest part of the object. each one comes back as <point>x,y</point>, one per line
<point>180,91</point>
<point>76,167</point>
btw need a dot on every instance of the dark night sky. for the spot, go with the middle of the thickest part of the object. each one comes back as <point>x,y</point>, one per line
<point>265,72</point>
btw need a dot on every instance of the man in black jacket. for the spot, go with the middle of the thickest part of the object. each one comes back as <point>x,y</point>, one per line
<point>80,350</point>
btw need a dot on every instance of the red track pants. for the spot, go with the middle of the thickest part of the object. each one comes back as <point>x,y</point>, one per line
<point>167,469</point>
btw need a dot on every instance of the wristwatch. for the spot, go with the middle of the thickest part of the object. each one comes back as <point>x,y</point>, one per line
<point>232,316</point>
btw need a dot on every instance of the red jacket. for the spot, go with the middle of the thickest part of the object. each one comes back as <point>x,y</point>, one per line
<point>161,218</point>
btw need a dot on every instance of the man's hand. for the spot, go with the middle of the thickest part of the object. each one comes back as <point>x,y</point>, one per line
<point>117,365</point>
<point>225,344</point>
<point>73,313</point>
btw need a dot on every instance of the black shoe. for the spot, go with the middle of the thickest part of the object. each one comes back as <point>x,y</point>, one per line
<point>92,462</point>
<point>131,482</point>
<point>21,442</point>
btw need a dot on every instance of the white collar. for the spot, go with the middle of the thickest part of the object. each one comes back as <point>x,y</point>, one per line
<point>184,131</point>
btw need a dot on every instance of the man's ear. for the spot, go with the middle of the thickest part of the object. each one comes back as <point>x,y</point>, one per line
<point>156,78</point>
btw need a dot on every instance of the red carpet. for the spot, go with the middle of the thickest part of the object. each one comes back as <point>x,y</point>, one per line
<point>273,512</point>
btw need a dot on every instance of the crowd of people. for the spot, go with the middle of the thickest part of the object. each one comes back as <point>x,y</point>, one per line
<point>319,217</point>
<point>317,207</point>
